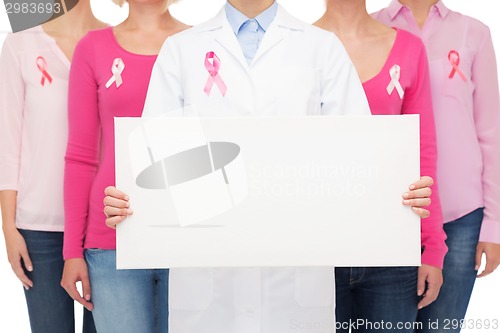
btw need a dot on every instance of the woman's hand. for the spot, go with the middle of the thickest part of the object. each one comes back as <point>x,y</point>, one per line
<point>419,196</point>
<point>492,253</point>
<point>17,251</point>
<point>430,280</point>
<point>75,270</point>
<point>116,206</point>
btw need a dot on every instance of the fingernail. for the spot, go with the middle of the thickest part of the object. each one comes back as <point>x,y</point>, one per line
<point>128,204</point>
<point>26,287</point>
<point>412,187</point>
<point>420,307</point>
<point>476,268</point>
<point>30,268</point>
<point>130,211</point>
<point>419,292</point>
<point>406,202</point>
<point>406,195</point>
<point>87,297</point>
<point>126,197</point>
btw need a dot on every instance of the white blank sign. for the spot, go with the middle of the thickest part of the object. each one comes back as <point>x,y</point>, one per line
<point>257,192</point>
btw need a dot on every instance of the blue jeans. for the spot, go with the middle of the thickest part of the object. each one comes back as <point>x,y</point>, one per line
<point>380,298</point>
<point>50,308</point>
<point>127,301</point>
<point>459,276</point>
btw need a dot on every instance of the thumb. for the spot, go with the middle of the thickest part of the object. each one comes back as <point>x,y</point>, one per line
<point>87,292</point>
<point>27,260</point>
<point>479,256</point>
<point>422,276</point>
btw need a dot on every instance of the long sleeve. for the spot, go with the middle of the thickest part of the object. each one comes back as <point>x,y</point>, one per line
<point>11,116</point>
<point>418,100</point>
<point>82,155</point>
<point>487,121</point>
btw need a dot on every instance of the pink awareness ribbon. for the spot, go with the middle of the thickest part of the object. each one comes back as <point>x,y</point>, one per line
<point>41,63</point>
<point>454,59</point>
<point>395,73</point>
<point>213,69</point>
<point>117,70</point>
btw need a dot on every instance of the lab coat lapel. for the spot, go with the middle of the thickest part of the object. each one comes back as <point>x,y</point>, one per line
<point>282,24</point>
<point>225,36</point>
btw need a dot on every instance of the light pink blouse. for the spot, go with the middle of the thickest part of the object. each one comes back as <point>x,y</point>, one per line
<point>466,101</point>
<point>33,127</point>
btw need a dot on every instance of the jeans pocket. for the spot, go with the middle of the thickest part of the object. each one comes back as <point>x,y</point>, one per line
<point>314,286</point>
<point>406,281</point>
<point>98,258</point>
<point>191,288</point>
<point>93,251</point>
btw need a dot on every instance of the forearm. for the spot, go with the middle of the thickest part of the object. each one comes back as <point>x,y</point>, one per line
<point>8,201</point>
<point>486,106</point>
<point>432,233</point>
<point>78,179</point>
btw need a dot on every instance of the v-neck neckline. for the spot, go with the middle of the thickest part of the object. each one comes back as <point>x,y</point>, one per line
<point>55,47</point>
<point>388,62</point>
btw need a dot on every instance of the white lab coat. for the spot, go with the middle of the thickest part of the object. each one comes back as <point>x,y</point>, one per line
<point>298,70</point>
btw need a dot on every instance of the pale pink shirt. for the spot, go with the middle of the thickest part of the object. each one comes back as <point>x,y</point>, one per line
<point>33,127</point>
<point>466,102</point>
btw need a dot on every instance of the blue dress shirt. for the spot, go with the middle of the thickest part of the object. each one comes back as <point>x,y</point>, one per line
<point>250,32</point>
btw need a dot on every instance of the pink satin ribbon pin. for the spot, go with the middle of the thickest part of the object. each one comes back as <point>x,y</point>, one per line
<point>395,73</point>
<point>454,59</point>
<point>41,63</point>
<point>117,70</point>
<point>213,69</point>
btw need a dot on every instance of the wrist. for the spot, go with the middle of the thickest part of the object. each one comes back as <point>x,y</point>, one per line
<point>431,266</point>
<point>9,227</point>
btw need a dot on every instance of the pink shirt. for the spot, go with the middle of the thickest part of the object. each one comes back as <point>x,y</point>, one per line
<point>409,56</point>
<point>94,100</point>
<point>466,101</point>
<point>34,127</point>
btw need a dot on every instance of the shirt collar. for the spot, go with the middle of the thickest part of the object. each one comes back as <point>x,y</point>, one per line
<point>395,8</point>
<point>442,9</point>
<point>236,18</point>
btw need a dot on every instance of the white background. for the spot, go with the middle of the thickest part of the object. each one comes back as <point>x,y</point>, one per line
<point>485,303</point>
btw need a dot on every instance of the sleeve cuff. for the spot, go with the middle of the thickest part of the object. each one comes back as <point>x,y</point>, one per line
<point>8,187</point>
<point>490,231</point>
<point>73,253</point>
<point>434,257</point>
